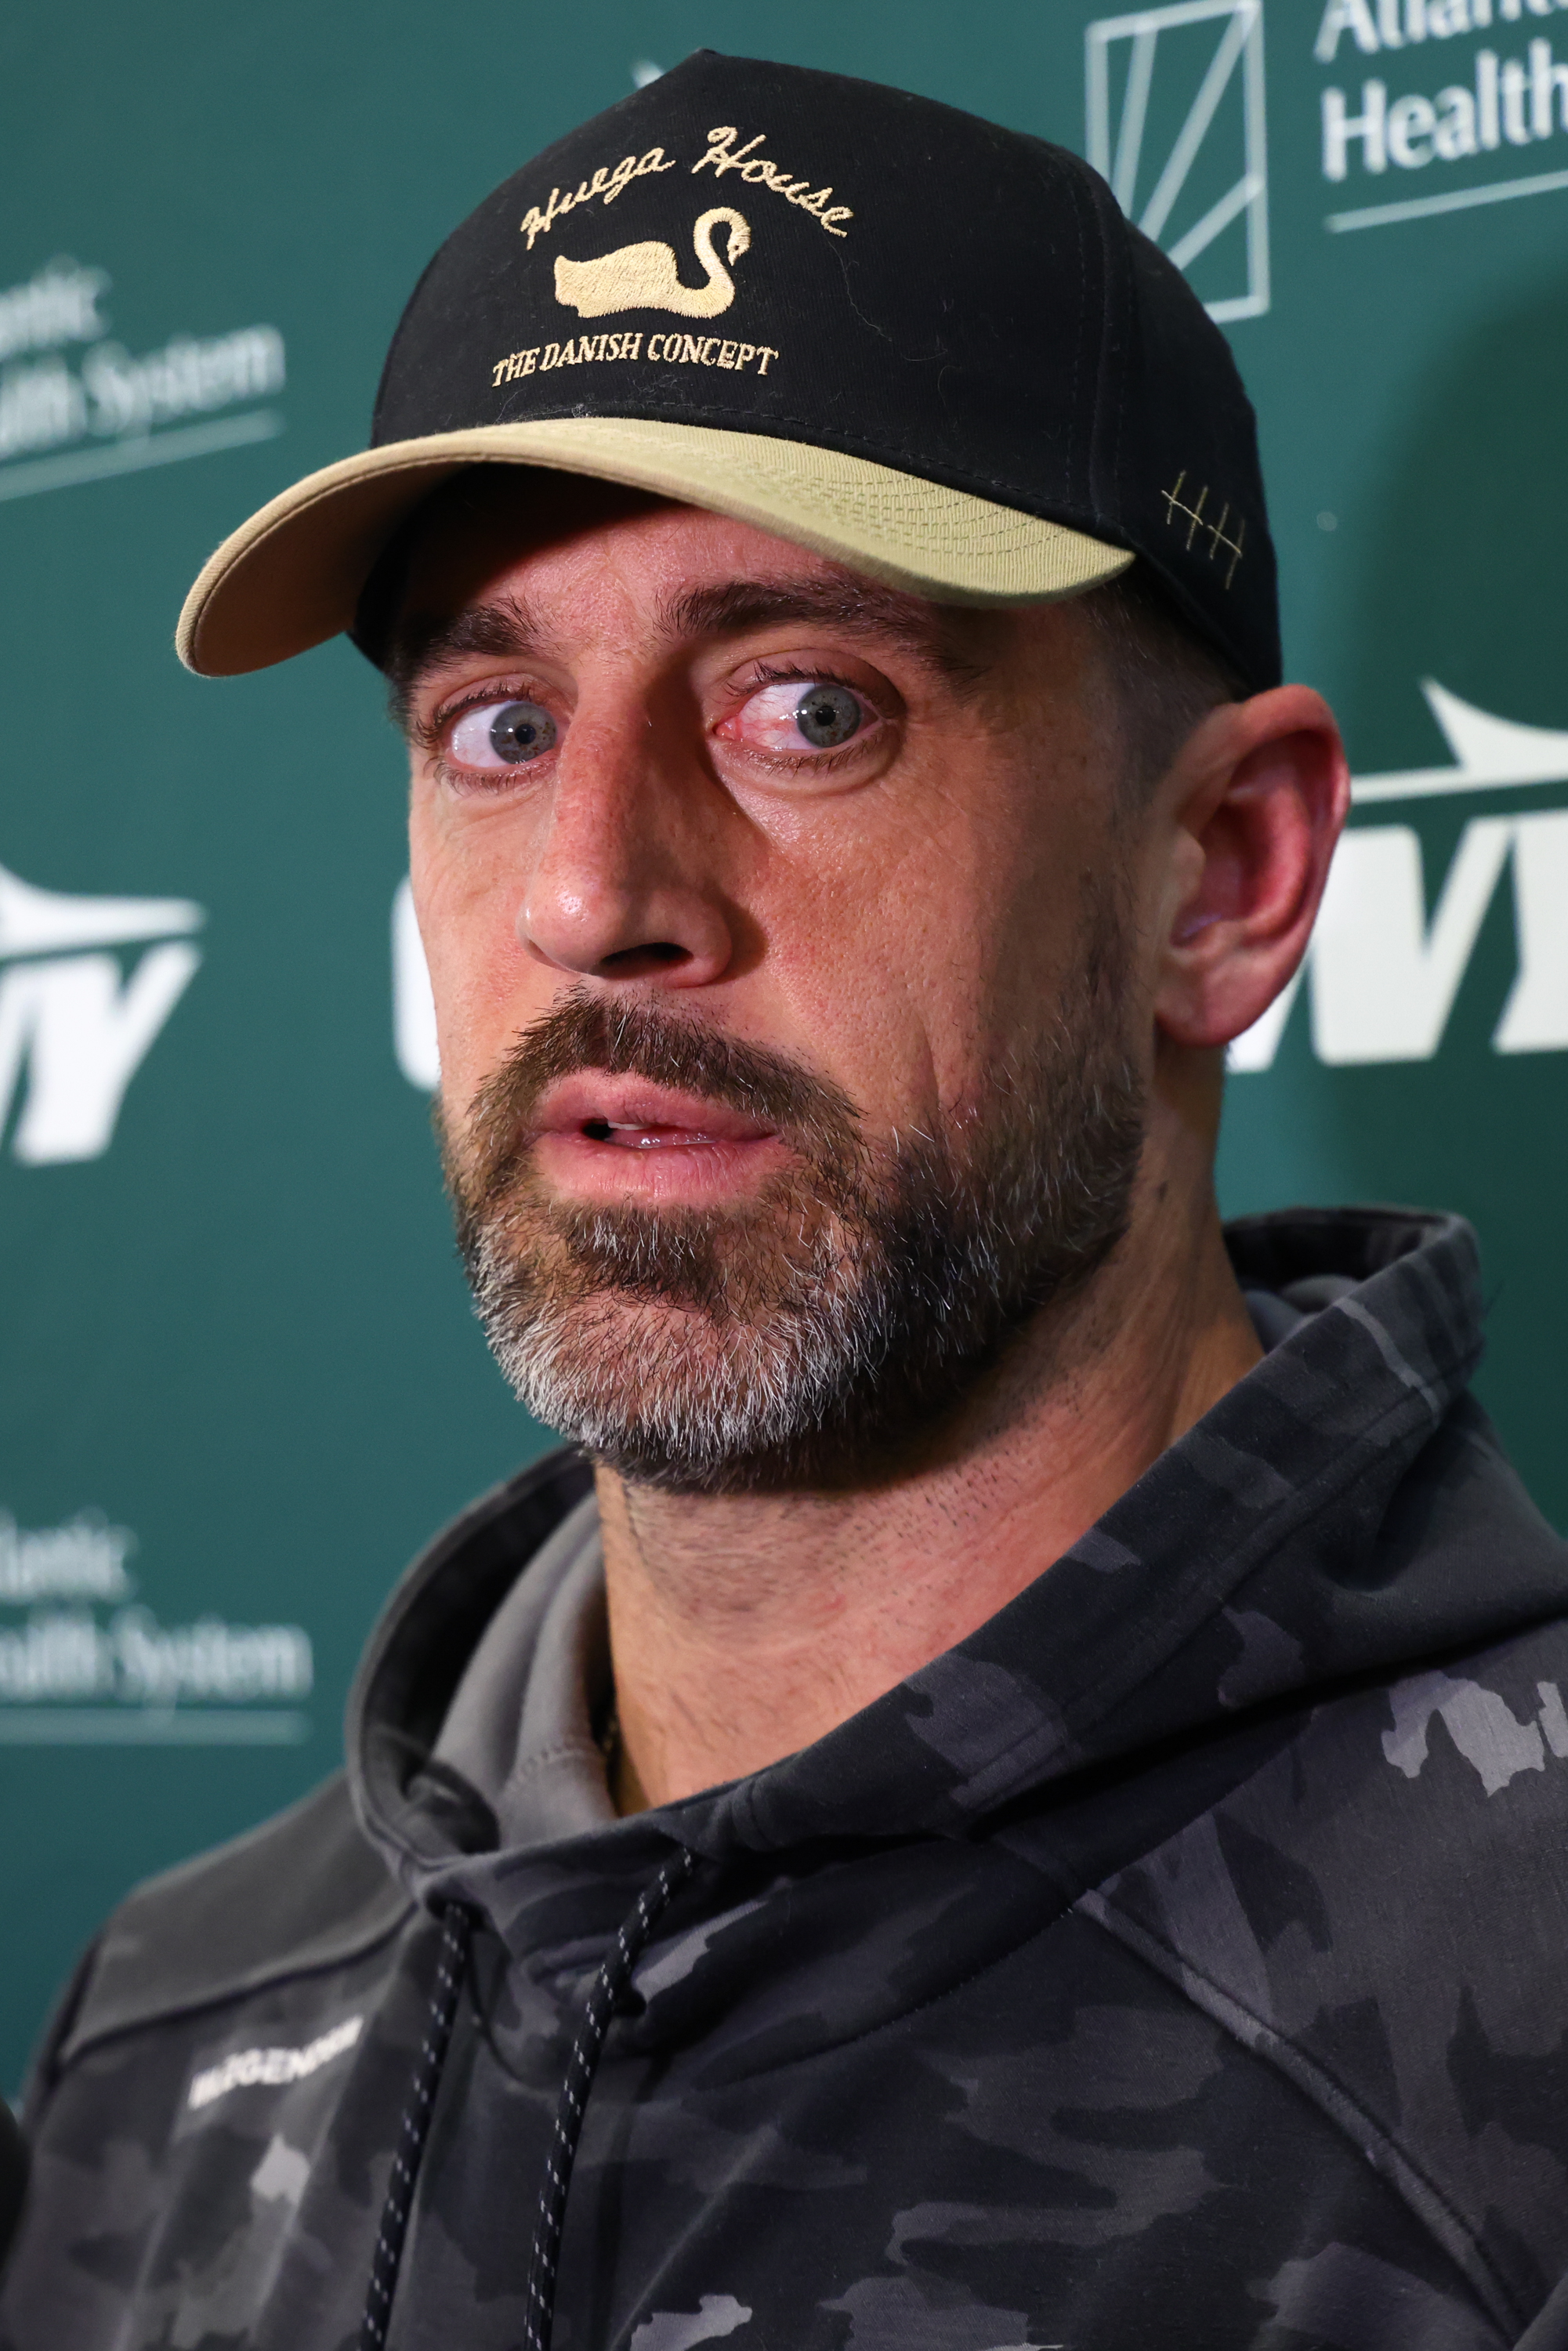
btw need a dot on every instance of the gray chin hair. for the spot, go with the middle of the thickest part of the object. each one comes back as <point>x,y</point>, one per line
<point>678,1397</point>
<point>690,1353</point>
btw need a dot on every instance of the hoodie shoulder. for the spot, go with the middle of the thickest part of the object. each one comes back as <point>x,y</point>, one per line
<point>304,1892</point>
<point>1380,1912</point>
<point>308,1891</point>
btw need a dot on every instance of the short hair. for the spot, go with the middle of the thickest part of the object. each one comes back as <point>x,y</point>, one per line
<point>1163,677</point>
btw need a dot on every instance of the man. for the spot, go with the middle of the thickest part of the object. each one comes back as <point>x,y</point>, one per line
<point>1009,1787</point>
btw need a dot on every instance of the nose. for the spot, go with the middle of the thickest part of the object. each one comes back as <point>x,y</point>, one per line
<point>622,885</point>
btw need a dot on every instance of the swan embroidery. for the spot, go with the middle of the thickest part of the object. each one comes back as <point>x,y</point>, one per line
<point>648,277</point>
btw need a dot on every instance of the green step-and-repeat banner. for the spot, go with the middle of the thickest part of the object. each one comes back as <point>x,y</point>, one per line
<point>239,1380</point>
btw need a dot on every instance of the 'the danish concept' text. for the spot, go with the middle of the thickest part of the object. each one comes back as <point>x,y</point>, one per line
<point>663,351</point>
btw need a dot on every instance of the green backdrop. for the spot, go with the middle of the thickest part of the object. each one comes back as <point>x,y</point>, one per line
<point>240,1382</point>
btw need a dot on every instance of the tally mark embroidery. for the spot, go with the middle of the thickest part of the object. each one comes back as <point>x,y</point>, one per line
<point>1214,532</point>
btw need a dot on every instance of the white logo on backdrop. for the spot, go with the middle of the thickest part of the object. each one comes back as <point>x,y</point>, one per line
<point>413,1007</point>
<point>1490,107</point>
<point>67,416</point>
<point>1218,43</point>
<point>1382,977</point>
<point>72,1018</point>
<point>89,1664</point>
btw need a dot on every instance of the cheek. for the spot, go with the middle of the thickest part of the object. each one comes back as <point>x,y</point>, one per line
<point>914,954</point>
<point>479,977</point>
<point>1022,888</point>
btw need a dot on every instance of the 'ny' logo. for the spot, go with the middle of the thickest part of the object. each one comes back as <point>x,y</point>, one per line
<point>78,1024</point>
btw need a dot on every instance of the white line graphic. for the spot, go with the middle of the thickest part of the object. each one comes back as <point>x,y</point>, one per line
<point>21,480</point>
<point>1235,75</point>
<point>134,1725</point>
<point>1463,199</point>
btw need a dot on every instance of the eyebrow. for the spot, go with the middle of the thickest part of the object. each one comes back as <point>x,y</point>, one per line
<point>421,643</point>
<point>928,631</point>
<point>506,629</point>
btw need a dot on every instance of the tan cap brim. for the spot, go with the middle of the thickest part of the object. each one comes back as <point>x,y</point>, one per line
<point>292,576</point>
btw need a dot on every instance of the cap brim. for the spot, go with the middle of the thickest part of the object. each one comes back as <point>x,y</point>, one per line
<point>292,576</point>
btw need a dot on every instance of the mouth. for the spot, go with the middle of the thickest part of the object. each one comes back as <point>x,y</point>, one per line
<point>604,1138</point>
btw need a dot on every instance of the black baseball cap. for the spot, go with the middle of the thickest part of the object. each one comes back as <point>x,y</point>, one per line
<point>884,330</point>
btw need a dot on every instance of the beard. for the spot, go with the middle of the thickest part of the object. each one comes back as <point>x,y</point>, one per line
<point>856,1296</point>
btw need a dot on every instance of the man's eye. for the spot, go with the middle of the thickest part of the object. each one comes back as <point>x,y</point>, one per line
<point>792,719</point>
<point>502,735</point>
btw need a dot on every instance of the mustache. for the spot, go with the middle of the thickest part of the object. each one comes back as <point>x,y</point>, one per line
<point>584,1031</point>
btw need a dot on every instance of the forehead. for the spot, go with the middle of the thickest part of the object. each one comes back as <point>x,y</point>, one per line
<point>565,538</point>
<point>493,517</point>
<point>506,550</point>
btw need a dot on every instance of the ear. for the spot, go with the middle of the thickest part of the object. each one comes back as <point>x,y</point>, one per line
<point>1256,800</point>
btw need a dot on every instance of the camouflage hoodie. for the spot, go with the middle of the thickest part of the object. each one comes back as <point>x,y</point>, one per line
<point>1180,1962</point>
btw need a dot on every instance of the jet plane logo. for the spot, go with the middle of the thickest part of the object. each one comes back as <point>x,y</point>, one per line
<point>77,1019</point>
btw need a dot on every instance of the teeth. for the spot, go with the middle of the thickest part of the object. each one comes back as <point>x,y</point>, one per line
<point>648,1139</point>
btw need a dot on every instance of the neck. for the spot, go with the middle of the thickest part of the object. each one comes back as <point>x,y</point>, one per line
<point>745,1626</point>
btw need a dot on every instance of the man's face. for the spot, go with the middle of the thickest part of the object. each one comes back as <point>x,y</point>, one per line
<point>792,1038</point>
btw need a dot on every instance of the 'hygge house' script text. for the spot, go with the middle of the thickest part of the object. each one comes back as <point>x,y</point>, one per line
<point>723,155</point>
<point>605,185</point>
<point>726,156</point>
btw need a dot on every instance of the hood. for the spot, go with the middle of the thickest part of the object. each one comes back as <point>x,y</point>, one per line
<point>1343,1511</point>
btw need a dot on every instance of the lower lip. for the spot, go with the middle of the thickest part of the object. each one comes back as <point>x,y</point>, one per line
<point>655,1163</point>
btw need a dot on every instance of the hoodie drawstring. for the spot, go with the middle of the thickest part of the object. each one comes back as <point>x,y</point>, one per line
<point>602,2001</point>
<point>456,1933</point>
